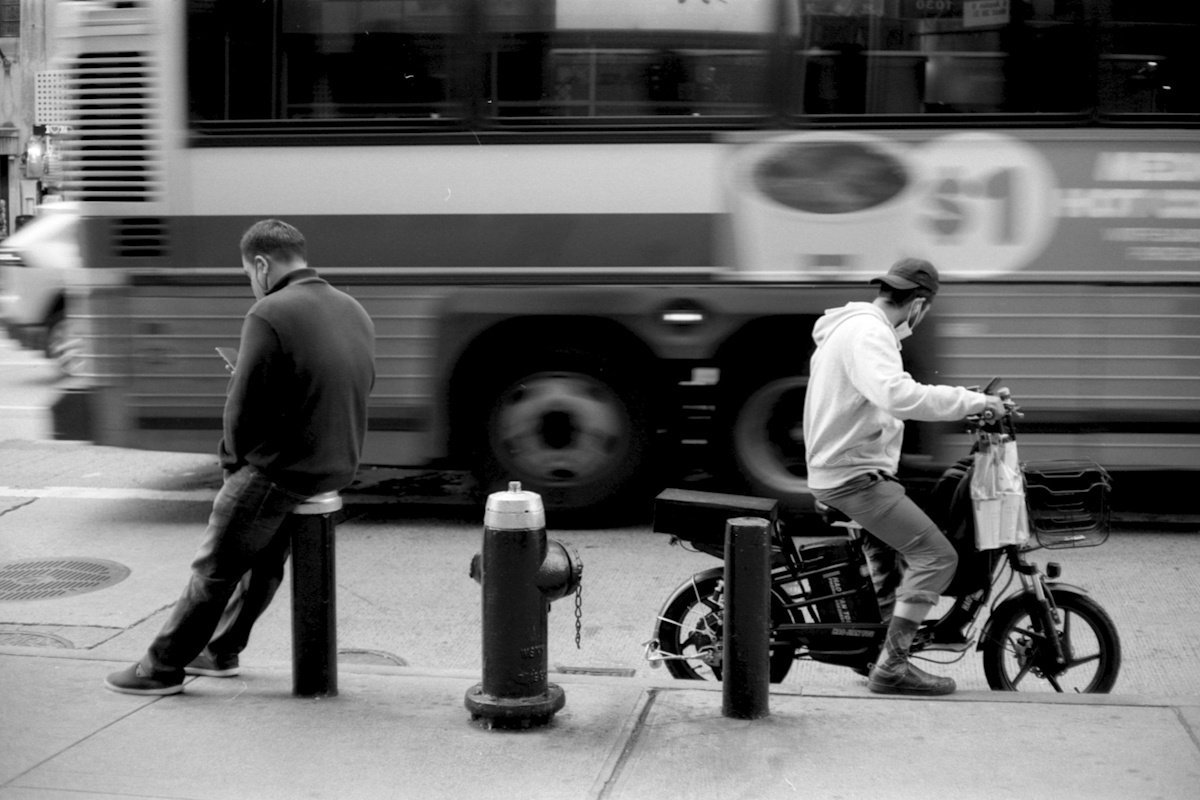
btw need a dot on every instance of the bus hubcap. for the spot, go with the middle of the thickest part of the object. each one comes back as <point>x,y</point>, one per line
<point>560,427</point>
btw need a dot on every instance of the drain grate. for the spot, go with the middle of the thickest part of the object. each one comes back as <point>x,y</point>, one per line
<point>31,639</point>
<point>46,578</point>
<point>610,672</point>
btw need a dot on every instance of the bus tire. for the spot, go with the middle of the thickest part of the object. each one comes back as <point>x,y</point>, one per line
<point>766,437</point>
<point>569,425</point>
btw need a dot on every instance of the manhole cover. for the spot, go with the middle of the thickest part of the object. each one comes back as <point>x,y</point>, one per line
<point>380,657</point>
<point>30,639</point>
<point>45,578</point>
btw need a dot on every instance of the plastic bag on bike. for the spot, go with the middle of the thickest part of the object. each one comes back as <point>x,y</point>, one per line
<point>998,495</point>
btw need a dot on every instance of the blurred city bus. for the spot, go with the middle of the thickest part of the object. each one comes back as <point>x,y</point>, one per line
<point>594,235</point>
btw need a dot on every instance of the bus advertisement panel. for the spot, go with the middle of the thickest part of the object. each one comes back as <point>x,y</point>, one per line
<point>980,204</point>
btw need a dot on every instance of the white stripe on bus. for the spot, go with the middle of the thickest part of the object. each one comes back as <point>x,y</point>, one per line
<point>614,178</point>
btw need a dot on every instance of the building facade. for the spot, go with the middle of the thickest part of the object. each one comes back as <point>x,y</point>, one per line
<point>26,84</point>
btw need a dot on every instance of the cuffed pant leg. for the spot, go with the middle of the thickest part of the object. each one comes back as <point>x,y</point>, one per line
<point>932,562</point>
<point>887,568</point>
<point>886,512</point>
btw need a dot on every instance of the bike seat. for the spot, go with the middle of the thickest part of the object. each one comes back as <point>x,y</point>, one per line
<point>830,514</point>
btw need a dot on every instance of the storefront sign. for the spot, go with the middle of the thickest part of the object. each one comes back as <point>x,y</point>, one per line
<point>983,13</point>
<point>930,9</point>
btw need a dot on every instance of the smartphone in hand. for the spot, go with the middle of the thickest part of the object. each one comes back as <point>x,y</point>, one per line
<point>230,355</point>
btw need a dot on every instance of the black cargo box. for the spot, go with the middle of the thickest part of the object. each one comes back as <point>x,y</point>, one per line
<point>700,517</point>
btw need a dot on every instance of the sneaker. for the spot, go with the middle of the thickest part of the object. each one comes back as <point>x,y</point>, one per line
<point>213,666</point>
<point>135,680</point>
<point>911,681</point>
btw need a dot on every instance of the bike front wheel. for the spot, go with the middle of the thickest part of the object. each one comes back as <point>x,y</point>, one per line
<point>692,624</point>
<point>1019,656</point>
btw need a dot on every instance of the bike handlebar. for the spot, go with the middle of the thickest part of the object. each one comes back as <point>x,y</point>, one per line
<point>988,416</point>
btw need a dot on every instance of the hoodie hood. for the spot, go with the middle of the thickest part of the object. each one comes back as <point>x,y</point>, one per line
<point>834,317</point>
<point>859,395</point>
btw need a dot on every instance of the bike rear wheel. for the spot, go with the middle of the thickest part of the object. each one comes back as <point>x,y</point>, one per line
<point>1018,656</point>
<point>692,624</point>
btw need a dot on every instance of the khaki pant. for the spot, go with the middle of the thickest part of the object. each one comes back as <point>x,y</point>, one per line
<point>910,558</point>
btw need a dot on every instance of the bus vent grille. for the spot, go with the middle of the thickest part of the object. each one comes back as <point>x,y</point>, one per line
<point>140,237</point>
<point>110,13</point>
<point>111,150</point>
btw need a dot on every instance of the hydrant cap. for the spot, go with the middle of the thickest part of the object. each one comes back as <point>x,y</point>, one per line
<point>514,510</point>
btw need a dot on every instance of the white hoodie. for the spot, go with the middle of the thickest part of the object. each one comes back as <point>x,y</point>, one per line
<point>858,393</point>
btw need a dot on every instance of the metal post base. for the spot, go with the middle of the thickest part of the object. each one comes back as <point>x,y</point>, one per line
<point>515,712</point>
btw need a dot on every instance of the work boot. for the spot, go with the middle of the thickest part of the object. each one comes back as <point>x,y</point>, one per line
<point>893,674</point>
<point>911,680</point>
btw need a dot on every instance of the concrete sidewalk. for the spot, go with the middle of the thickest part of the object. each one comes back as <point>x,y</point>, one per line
<point>396,732</point>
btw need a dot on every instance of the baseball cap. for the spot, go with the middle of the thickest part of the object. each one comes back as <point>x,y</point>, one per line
<point>910,273</point>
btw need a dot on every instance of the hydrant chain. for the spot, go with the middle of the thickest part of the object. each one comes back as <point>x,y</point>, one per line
<point>578,616</point>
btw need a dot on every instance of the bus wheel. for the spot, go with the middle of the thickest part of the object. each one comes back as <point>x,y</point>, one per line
<point>767,439</point>
<point>574,437</point>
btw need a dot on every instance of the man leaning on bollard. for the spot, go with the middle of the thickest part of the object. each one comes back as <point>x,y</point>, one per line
<point>295,419</point>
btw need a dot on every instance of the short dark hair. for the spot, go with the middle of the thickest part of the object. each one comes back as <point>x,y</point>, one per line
<point>274,238</point>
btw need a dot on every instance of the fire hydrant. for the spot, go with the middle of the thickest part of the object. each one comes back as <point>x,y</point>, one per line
<point>521,573</point>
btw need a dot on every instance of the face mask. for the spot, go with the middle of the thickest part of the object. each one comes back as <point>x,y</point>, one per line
<point>905,329</point>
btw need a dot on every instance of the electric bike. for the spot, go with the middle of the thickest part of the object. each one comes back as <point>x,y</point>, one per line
<point>1034,632</point>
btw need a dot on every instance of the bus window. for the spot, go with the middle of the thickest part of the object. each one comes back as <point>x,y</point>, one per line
<point>939,56</point>
<point>626,58</point>
<point>833,47</point>
<point>323,59</point>
<point>1148,59</point>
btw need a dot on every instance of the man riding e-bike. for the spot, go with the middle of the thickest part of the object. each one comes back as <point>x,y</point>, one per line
<point>858,396</point>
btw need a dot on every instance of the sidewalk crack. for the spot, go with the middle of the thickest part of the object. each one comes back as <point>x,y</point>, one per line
<point>12,783</point>
<point>28,502</point>
<point>631,734</point>
<point>1191,732</point>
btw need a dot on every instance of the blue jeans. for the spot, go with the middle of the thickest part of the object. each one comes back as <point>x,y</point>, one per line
<point>909,556</point>
<point>234,576</point>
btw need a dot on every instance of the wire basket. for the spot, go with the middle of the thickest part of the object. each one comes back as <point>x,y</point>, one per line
<point>1067,503</point>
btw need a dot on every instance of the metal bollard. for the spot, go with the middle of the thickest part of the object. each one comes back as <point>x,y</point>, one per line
<point>746,683</point>
<point>314,613</point>
<point>521,573</point>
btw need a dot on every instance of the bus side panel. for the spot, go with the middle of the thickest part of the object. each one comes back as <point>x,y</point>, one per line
<point>177,381</point>
<point>1109,375</point>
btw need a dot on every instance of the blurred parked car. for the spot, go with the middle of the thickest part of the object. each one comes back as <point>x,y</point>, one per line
<point>34,264</point>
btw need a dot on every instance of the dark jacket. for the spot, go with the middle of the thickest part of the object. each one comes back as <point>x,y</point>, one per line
<point>297,403</point>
